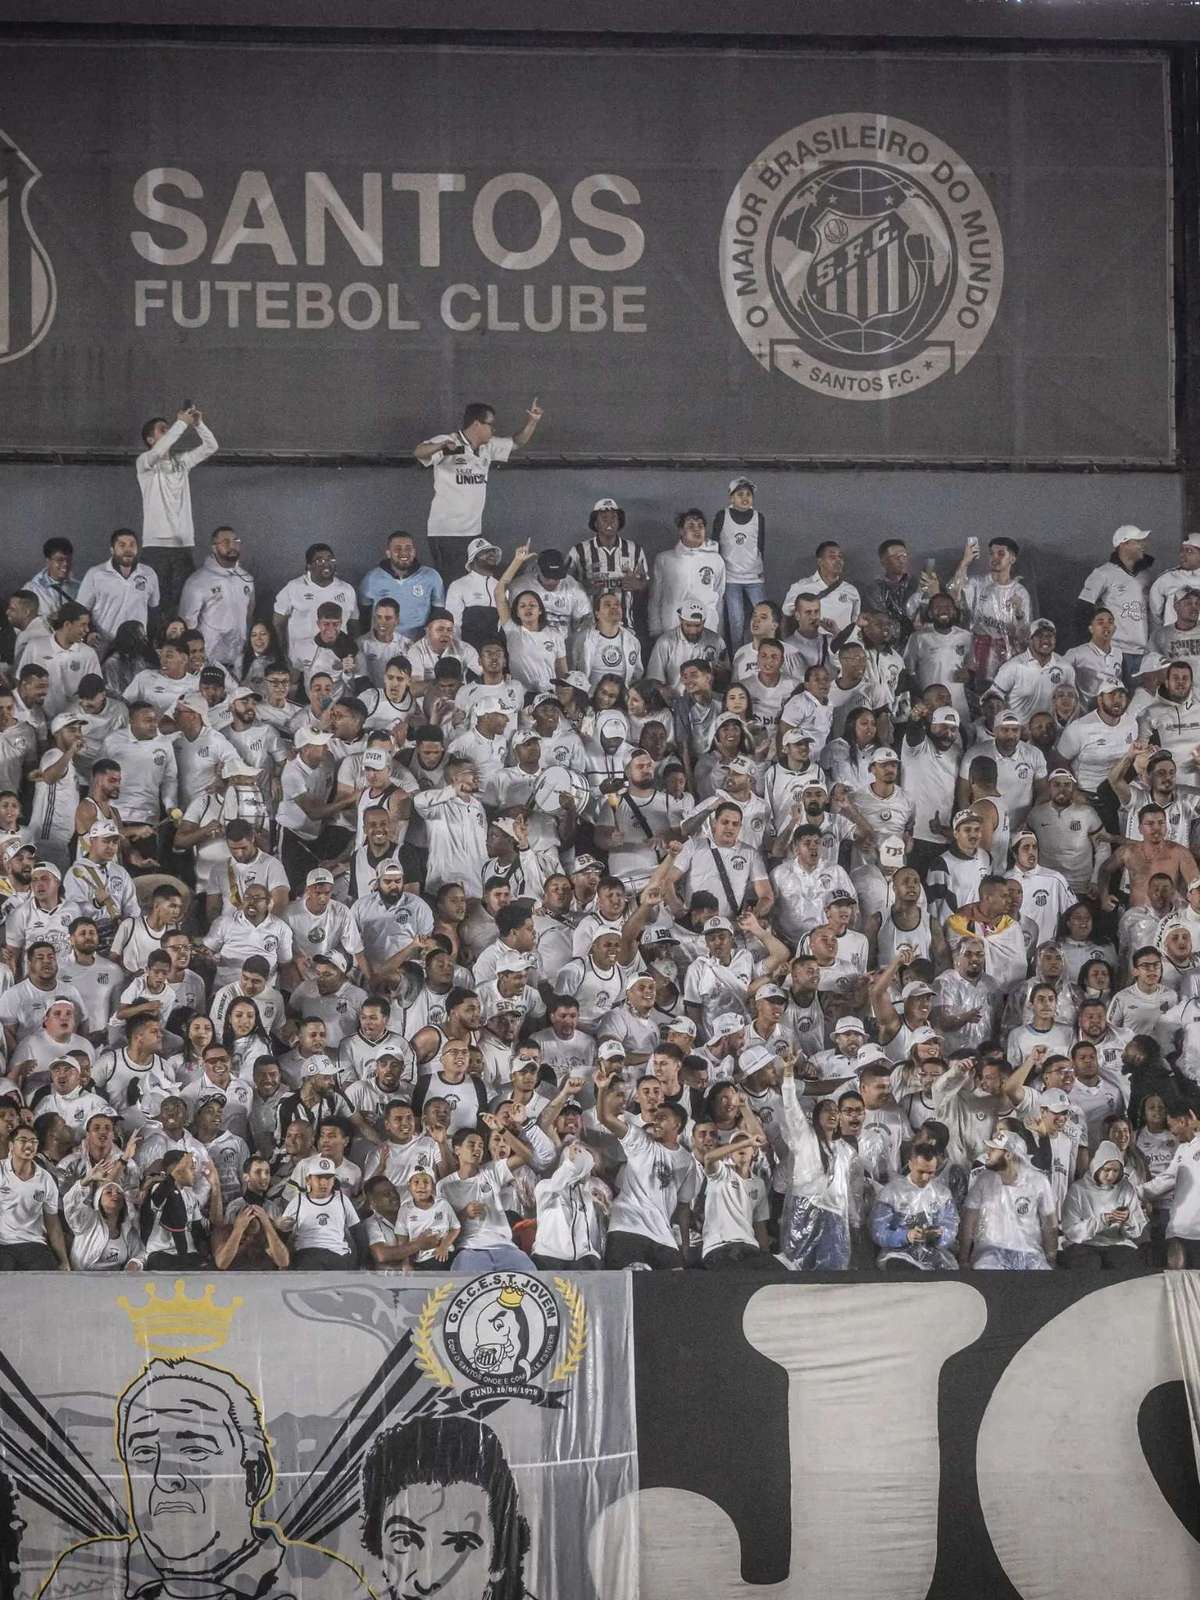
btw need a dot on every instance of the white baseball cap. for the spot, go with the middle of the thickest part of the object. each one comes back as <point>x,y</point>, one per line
<point>850,1025</point>
<point>376,760</point>
<point>605,505</point>
<point>1053,1100</point>
<point>66,719</point>
<point>193,702</point>
<point>718,925</point>
<point>318,1067</point>
<point>740,483</point>
<point>235,767</point>
<point>1012,1142</point>
<point>755,1059</point>
<point>691,611</point>
<point>102,828</point>
<point>727,1022</point>
<point>884,753</point>
<point>891,850</point>
<point>943,715</point>
<point>322,1167</point>
<point>317,876</point>
<point>1129,533</point>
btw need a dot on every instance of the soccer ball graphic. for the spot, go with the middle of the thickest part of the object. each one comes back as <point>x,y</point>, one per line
<point>862,261</point>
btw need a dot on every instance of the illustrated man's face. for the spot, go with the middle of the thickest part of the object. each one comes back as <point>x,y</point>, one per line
<point>187,1479</point>
<point>437,1539</point>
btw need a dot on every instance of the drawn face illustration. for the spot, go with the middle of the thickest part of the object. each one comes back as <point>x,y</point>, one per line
<point>437,1541</point>
<point>187,1478</point>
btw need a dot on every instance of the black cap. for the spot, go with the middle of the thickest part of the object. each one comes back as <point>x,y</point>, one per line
<point>551,564</point>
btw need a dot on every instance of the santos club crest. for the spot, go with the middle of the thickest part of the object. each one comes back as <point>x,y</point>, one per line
<point>861,257</point>
<point>28,294</point>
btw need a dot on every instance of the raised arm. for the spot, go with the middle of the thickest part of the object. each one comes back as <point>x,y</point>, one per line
<point>609,1119</point>
<point>520,556</point>
<point>886,1015</point>
<point>533,416</point>
<point>1014,1084</point>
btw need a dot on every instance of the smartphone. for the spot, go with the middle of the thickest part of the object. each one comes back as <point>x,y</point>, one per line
<point>187,405</point>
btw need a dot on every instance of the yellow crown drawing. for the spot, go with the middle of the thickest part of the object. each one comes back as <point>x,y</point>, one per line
<point>510,1296</point>
<point>179,1326</point>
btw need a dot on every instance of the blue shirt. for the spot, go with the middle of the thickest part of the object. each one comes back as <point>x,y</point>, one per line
<point>414,595</point>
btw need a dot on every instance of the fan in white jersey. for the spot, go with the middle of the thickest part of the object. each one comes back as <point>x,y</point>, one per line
<point>476,1192</point>
<point>31,1232</point>
<point>56,791</point>
<point>735,1208</point>
<point>319,1223</point>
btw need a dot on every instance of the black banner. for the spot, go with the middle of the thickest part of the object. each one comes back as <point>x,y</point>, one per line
<point>1008,1435</point>
<point>684,254</point>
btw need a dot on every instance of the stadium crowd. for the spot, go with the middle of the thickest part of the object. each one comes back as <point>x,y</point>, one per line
<point>569,909</point>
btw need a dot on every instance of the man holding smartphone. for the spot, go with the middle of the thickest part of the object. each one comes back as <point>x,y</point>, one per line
<point>168,534</point>
<point>461,462</point>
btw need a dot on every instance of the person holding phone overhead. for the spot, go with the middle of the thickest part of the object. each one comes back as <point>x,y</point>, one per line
<point>164,477</point>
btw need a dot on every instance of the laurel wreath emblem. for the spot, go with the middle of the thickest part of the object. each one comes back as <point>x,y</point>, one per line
<point>427,1356</point>
<point>578,1335</point>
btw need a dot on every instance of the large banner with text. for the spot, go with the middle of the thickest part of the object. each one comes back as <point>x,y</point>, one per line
<point>1019,1436</point>
<point>683,253</point>
<point>309,1438</point>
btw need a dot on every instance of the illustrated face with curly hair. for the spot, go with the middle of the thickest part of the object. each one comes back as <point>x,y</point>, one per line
<point>437,1540</point>
<point>440,1512</point>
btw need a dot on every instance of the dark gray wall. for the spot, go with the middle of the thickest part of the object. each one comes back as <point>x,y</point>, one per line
<point>1063,520</point>
<point>1091,20</point>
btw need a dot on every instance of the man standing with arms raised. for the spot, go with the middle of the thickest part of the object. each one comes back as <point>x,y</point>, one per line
<point>461,462</point>
<point>168,534</point>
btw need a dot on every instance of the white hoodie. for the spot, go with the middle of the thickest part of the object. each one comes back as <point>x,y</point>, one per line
<point>683,573</point>
<point>1087,1203</point>
<point>93,1249</point>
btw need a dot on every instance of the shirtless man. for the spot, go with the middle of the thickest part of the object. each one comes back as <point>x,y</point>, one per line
<point>1153,854</point>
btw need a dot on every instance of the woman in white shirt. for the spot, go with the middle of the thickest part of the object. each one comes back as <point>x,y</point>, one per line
<point>104,1232</point>
<point>607,647</point>
<point>245,1037</point>
<point>847,760</point>
<point>536,649</point>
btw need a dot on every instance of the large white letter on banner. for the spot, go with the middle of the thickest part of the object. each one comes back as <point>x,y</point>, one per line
<point>1071,1505</point>
<point>863,1365</point>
